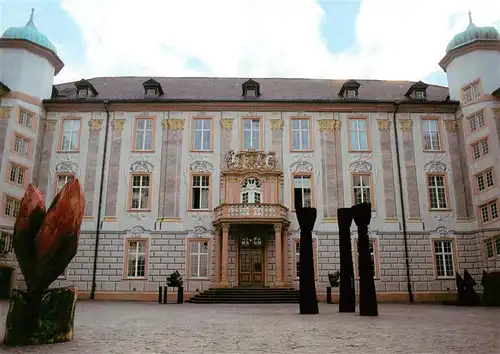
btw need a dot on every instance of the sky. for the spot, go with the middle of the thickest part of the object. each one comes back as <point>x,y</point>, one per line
<point>369,39</point>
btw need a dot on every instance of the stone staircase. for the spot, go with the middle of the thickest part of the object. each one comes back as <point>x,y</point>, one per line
<point>246,295</point>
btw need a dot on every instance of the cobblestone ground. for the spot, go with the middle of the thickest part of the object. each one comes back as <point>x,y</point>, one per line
<point>128,327</point>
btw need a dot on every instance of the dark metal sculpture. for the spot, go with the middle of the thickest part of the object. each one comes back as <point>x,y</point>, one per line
<point>347,296</point>
<point>491,286</point>
<point>307,287</point>
<point>367,295</point>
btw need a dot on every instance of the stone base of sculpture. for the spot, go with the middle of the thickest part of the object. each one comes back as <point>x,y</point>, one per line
<point>55,320</point>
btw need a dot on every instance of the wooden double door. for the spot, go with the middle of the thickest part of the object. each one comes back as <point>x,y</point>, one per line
<point>251,262</point>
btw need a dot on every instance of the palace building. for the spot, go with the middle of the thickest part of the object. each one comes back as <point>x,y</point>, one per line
<point>203,175</point>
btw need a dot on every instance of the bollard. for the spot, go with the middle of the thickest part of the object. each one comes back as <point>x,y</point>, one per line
<point>165,289</point>
<point>159,294</point>
<point>180,295</point>
<point>329,294</point>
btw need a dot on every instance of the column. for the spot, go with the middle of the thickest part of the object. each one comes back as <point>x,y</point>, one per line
<point>278,280</point>
<point>114,169</point>
<point>384,126</point>
<point>217,257</point>
<point>225,255</point>
<point>4,125</point>
<point>406,126</point>
<point>91,166</point>
<point>45,156</point>
<point>173,172</point>
<point>285,256</point>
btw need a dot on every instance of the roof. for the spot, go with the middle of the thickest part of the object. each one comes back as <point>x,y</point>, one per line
<point>3,88</point>
<point>30,33</point>
<point>229,89</point>
<point>471,34</point>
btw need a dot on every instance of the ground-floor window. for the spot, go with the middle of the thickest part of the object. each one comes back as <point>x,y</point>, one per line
<point>198,258</point>
<point>443,253</point>
<point>6,242</point>
<point>373,255</point>
<point>136,258</point>
<point>296,258</point>
<point>492,247</point>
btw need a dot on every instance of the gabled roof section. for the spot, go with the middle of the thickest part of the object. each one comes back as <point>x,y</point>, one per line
<point>417,86</point>
<point>349,85</point>
<point>55,92</point>
<point>3,88</point>
<point>84,84</point>
<point>152,83</point>
<point>248,85</point>
<point>496,92</point>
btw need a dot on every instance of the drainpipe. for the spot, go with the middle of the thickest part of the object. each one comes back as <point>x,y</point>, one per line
<point>401,197</point>
<point>99,205</point>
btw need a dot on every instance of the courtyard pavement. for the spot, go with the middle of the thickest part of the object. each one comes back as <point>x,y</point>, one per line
<point>143,328</point>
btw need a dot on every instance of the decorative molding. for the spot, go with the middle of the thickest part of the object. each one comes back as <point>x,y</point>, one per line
<point>440,231</point>
<point>251,160</point>
<point>361,167</point>
<point>66,167</point>
<point>95,124</point>
<point>225,226</point>
<point>405,124</point>
<point>277,124</point>
<point>496,113</point>
<point>226,123</point>
<point>5,112</point>
<point>136,216</point>
<point>250,114</point>
<point>329,124</point>
<point>201,166</point>
<point>141,166</point>
<point>175,124</point>
<point>196,216</point>
<point>441,219</point>
<point>302,166</point>
<point>451,125</point>
<point>50,125</point>
<point>202,114</point>
<point>118,124</point>
<point>384,124</point>
<point>199,231</point>
<point>137,231</point>
<point>435,167</point>
<point>278,227</point>
<point>301,114</point>
<point>144,114</point>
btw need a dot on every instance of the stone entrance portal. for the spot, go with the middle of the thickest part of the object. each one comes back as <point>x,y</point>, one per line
<point>251,261</point>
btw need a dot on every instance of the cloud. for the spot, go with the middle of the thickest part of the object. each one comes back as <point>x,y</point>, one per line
<point>395,39</point>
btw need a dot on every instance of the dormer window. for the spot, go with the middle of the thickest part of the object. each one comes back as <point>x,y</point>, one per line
<point>251,89</point>
<point>419,95</point>
<point>83,93</point>
<point>152,88</point>
<point>84,89</point>
<point>417,91</point>
<point>151,92</point>
<point>349,89</point>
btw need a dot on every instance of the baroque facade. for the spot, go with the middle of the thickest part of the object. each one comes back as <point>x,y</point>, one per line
<point>202,175</point>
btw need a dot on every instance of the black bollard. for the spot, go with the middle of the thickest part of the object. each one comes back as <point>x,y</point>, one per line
<point>329,294</point>
<point>159,294</point>
<point>367,295</point>
<point>180,295</point>
<point>347,294</point>
<point>165,294</point>
<point>307,287</point>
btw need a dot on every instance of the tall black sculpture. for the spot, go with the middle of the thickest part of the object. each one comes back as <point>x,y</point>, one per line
<point>367,296</point>
<point>347,296</point>
<point>307,288</point>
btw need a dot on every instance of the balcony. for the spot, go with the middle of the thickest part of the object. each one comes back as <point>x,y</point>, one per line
<point>251,213</point>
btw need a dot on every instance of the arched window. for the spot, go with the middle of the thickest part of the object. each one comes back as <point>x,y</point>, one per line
<point>251,192</point>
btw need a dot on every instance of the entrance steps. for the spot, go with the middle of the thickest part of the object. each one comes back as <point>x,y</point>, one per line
<point>246,295</point>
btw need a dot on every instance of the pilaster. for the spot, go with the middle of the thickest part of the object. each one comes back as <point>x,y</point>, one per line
<point>91,166</point>
<point>175,127</point>
<point>4,126</point>
<point>384,126</point>
<point>45,156</point>
<point>225,256</point>
<point>114,169</point>
<point>278,251</point>
<point>226,125</point>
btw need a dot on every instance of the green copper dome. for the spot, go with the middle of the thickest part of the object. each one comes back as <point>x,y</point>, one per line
<point>30,33</point>
<point>473,33</point>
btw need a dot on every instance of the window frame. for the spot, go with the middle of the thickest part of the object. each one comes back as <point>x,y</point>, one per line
<point>61,136</point>
<point>484,175</point>
<point>130,192</point>
<point>126,251</point>
<point>307,148</point>
<point>296,241</point>
<point>495,247</point>
<point>193,135</point>
<point>474,118</point>
<point>463,92</point>
<point>242,132</point>
<point>10,166</point>
<point>488,204</point>
<point>134,135</point>
<point>445,186</point>
<point>191,191</point>
<point>376,259</point>
<point>439,130</point>
<point>454,257</point>
<point>6,199</point>
<point>367,131</point>
<point>189,265</point>
<point>479,143</point>
<point>292,187</point>
<point>67,175</point>
<point>28,113</point>
<point>370,186</point>
<point>29,153</point>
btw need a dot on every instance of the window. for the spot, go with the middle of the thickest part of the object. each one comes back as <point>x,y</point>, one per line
<point>300,134</point>
<point>489,211</point>
<point>251,191</point>
<point>492,246</point>
<point>437,191</point>
<point>471,92</point>
<point>151,92</point>
<point>83,93</point>
<point>484,180</point>
<point>432,139</point>
<point>201,192</point>
<point>18,174</point>
<point>352,94</point>
<point>70,135</point>
<point>136,258</point>
<point>361,187</point>
<point>251,134</point>
<point>61,180</point>
<point>141,185</point>
<point>358,135</point>
<point>443,252</point>
<point>6,242</point>
<point>297,258</point>
<point>25,119</point>
<point>480,149</point>
<point>476,121</point>
<point>202,134</point>
<point>302,192</point>
<point>144,134</point>
<point>11,207</point>
<point>22,146</point>
<point>373,255</point>
<point>419,95</point>
<point>198,258</point>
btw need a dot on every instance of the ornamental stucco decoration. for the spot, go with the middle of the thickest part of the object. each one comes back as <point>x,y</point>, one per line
<point>435,167</point>
<point>138,230</point>
<point>361,167</point>
<point>136,216</point>
<point>199,231</point>
<point>141,166</point>
<point>441,231</point>
<point>201,166</point>
<point>66,167</point>
<point>302,166</point>
<point>251,160</point>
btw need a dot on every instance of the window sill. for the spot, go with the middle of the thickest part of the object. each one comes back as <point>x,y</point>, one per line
<point>199,210</point>
<point>301,151</point>
<point>359,151</point>
<point>433,151</point>
<point>489,221</point>
<point>440,210</point>
<point>136,278</point>
<point>451,277</point>
<point>138,210</point>
<point>198,279</point>
<point>142,151</point>
<point>68,151</point>
<point>202,151</point>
